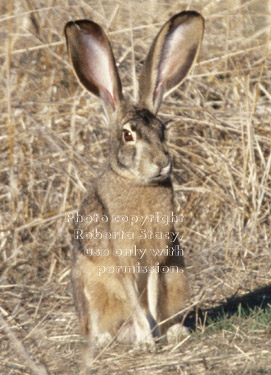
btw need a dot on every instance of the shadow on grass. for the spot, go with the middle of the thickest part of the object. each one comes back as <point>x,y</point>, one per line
<point>248,303</point>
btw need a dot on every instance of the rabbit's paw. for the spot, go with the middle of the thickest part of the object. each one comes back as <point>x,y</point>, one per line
<point>102,339</point>
<point>176,333</point>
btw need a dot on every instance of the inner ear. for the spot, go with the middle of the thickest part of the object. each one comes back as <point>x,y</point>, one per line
<point>170,58</point>
<point>179,52</point>
<point>93,61</point>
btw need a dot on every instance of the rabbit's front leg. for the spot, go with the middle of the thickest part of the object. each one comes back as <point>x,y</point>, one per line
<point>140,320</point>
<point>153,287</point>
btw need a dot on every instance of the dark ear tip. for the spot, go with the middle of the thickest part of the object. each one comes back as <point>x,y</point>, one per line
<point>69,25</point>
<point>188,14</point>
<point>82,25</point>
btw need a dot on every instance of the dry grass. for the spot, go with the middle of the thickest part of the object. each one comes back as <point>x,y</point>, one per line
<point>54,139</point>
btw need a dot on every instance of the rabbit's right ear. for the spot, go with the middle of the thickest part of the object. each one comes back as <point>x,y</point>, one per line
<point>93,61</point>
<point>170,58</point>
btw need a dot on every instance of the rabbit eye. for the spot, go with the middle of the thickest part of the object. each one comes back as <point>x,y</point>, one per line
<point>127,135</point>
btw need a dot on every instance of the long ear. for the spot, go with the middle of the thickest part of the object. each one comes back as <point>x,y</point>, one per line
<point>170,58</point>
<point>93,61</point>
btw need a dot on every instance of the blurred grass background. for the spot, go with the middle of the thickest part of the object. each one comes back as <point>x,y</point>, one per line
<point>54,140</point>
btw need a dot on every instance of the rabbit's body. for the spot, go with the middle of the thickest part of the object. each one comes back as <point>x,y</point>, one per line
<point>138,278</point>
<point>114,196</point>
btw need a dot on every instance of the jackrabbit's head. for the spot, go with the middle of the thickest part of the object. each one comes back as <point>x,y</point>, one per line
<point>139,151</point>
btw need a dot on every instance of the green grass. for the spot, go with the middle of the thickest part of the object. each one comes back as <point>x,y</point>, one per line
<point>253,319</point>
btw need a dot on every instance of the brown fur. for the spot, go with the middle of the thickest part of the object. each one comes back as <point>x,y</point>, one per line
<point>136,182</point>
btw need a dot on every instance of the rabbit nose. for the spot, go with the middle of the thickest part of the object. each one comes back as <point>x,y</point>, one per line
<point>162,160</point>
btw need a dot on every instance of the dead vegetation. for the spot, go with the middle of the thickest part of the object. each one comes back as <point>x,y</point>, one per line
<point>54,140</point>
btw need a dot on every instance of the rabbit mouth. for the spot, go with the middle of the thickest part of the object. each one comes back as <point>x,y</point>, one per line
<point>163,173</point>
<point>160,177</point>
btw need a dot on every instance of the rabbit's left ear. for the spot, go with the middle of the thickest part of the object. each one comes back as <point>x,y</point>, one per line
<point>170,58</point>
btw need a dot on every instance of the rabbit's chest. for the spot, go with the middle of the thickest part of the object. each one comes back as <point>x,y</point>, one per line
<point>145,224</point>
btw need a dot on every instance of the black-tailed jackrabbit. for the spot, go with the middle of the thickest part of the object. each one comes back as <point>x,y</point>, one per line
<point>128,269</point>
